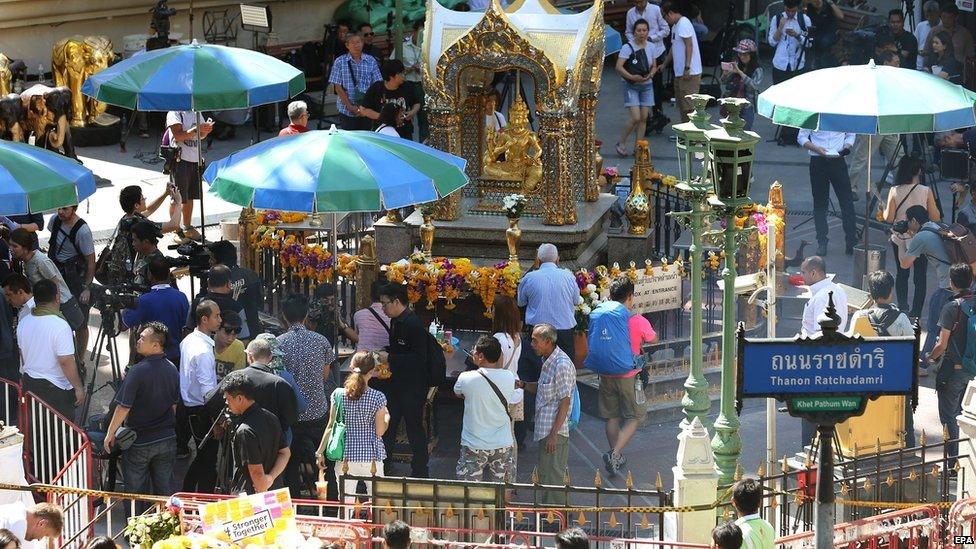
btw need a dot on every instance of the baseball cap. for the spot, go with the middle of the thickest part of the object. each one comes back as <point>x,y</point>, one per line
<point>745,46</point>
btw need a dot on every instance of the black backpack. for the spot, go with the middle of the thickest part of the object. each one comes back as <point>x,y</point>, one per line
<point>436,362</point>
<point>800,18</point>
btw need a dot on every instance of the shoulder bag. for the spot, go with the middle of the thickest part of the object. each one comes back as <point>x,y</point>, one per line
<point>335,431</point>
<point>498,394</point>
<point>637,62</point>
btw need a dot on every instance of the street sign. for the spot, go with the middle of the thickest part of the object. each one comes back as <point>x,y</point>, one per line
<point>826,404</point>
<point>660,292</point>
<point>781,367</point>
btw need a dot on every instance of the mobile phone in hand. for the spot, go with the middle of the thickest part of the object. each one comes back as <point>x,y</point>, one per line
<point>726,66</point>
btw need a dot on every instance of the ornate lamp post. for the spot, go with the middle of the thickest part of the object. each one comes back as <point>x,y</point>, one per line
<point>694,185</point>
<point>729,157</point>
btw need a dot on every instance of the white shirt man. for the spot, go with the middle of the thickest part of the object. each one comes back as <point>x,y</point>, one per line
<point>486,432</point>
<point>25,309</point>
<point>198,368</point>
<point>832,143</point>
<point>657,27</point>
<point>813,270</point>
<point>789,40</point>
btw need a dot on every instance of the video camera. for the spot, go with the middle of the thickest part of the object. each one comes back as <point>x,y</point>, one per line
<point>861,43</point>
<point>900,227</point>
<point>194,255</point>
<point>160,22</point>
<point>114,298</point>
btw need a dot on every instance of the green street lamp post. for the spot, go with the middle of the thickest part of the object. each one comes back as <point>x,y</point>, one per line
<point>694,185</point>
<point>729,156</point>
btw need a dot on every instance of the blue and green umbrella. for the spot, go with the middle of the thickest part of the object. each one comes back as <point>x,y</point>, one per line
<point>33,179</point>
<point>336,171</point>
<point>195,77</point>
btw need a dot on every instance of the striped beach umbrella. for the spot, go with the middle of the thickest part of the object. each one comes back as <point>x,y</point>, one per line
<point>195,77</point>
<point>336,171</point>
<point>869,99</point>
<point>33,179</point>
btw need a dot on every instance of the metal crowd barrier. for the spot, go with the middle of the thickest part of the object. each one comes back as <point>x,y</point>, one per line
<point>917,527</point>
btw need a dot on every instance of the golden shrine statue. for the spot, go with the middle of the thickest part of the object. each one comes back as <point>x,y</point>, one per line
<point>562,54</point>
<point>521,150</point>
<point>73,60</point>
<point>5,75</point>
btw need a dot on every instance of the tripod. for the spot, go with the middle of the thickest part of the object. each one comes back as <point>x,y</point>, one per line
<point>104,340</point>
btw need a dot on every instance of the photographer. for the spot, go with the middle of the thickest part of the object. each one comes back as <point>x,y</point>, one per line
<point>245,284</point>
<point>905,43</point>
<point>182,125</point>
<point>38,267</point>
<point>219,291</point>
<point>162,303</point>
<point>121,257</point>
<point>926,241</point>
<point>72,250</point>
<point>147,404</point>
<point>825,15</point>
<point>145,239</point>
<point>788,34</point>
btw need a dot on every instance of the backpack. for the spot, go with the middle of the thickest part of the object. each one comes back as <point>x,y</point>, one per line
<point>436,362</point>
<point>73,271</point>
<point>968,307</point>
<point>960,244</point>
<point>114,263</point>
<point>800,18</point>
<point>883,321</point>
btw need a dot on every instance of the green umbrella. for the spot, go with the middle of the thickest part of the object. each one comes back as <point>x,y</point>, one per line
<point>869,99</point>
<point>35,180</point>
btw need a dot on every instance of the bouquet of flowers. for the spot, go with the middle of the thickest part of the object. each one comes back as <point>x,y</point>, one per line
<point>611,172</point>
<point>143,531</point>
<point>513,205</point>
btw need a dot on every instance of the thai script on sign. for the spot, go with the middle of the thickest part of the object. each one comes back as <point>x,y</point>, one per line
<point>853,360</point>
<point>660,292</point>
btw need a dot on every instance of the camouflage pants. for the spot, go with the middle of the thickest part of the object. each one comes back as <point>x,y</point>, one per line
<point>498,464</point>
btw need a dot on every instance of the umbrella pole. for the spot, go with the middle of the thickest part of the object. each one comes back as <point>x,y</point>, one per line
<point>867,213</point>
<point>199,180</point>
<point>335,281</point>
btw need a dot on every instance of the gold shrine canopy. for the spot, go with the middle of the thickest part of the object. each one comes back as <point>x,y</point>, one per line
<point>562,52</point>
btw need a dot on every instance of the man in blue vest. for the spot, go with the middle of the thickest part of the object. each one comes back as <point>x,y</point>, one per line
<point>610,355</point>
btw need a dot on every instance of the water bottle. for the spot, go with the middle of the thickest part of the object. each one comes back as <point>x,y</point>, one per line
<point>639,390</point>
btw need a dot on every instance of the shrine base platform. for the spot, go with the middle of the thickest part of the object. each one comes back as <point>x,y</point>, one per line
<point>482,237</point>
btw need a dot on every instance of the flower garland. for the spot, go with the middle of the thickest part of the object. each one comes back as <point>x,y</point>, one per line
<point>273,217</point>
<point>307,261</point>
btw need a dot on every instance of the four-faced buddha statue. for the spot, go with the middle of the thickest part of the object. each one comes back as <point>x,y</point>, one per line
<point>514,153</point>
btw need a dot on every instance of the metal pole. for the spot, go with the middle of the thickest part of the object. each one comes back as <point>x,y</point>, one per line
<point>398,28</point>
<point>696,402</point>
<point>727,443</point>
<point>823,526</point>
<point>199,178</point>
<point>771,333</point>
<point>867,217</point>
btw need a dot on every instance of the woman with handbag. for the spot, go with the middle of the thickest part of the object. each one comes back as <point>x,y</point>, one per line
<point>905,193</point>
<point>358,418</point>
<point>636,64</point>
<point>507,328</point>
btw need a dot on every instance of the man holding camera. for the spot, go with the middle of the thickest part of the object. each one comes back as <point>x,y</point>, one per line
<point>219,291</point>
<point>829,169</point>
<point>927,241</point>
<point>145,236</point>
<point>147,404</point>
<point>162,303</point>
<point>183,128</point>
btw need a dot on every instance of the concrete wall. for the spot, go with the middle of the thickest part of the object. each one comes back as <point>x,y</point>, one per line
<point>29,28</point>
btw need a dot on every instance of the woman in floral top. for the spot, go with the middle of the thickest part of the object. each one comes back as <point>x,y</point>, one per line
<point>366,419</point>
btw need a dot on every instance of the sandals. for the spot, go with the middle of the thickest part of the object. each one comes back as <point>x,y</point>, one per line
<point>621,151</point>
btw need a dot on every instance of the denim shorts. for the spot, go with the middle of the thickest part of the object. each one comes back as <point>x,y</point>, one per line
<point>639,95</point>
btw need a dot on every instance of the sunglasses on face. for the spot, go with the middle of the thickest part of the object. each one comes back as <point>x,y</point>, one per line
<point>231,330</point>
<point>368,34</point>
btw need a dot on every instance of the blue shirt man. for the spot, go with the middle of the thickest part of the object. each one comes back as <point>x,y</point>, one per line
<point>549,293</point>
<point>352,74</point>
<point>162,303</point>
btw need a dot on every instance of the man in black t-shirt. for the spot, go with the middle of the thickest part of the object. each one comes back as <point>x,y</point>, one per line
<point>956,370</point>
<point>245,284</point>
<point>392,90</point>
<point>219,291</point>
<point>259,449</point>
<point>905,42</point>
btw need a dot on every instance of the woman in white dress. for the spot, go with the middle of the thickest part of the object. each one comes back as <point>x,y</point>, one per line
<point>507,328</point>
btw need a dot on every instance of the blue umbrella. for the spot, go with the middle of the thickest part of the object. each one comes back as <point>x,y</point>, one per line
<point>33,179</point>
<point>336,171</point>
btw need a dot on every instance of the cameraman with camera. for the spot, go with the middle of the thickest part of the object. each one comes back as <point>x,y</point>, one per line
<point>145,241</point>
<point>162,303</point>
<point>147,404</point>
<point>219,291</point>
<point>72,249</point>
<point>116,262</point>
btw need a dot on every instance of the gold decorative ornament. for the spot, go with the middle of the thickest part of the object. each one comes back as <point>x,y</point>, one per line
<point>73,60</point>
<point>512,236</point>
<point>427,234</point>
<point>6,76</point>
<point>520,147</point>
<point>637,208</point>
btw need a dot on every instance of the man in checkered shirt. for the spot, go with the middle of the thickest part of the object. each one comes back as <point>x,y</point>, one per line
<point>352,74</point>
<point>554,394</point>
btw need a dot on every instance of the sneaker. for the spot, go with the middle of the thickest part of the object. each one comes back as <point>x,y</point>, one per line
<point>608,462</point>
<point>191,233</point>
<point>620,461</point>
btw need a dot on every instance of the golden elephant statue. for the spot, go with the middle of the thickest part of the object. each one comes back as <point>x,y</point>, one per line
<point>73,60</point>
<point>6,76</point>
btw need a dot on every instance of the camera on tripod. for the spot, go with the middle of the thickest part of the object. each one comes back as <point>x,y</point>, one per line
<point>193,255</point>
<point>160,22</point>
<point>114,298</point>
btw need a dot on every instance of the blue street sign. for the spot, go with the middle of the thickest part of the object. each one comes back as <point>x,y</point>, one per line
<point>870,366</point>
